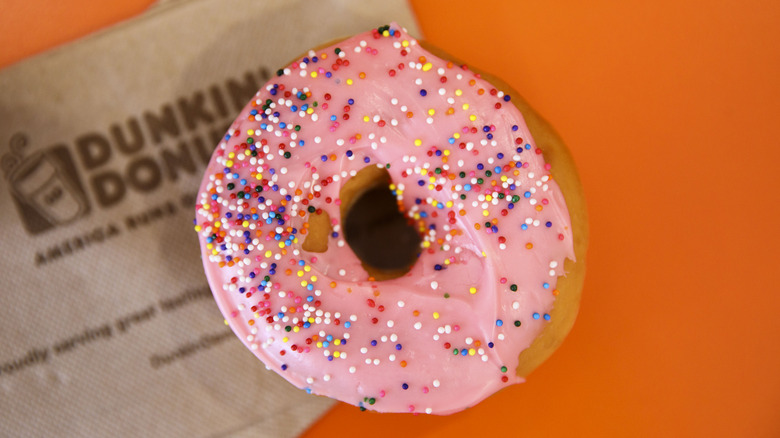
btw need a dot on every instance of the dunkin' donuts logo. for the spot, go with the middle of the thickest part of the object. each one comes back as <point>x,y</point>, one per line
<point>45,186</point>
<point>63,183</point>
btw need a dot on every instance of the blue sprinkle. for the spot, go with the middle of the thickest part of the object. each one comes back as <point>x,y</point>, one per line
<point>328,74</point>
<point>548,224</point>
<point>546,285</point>
<point>420,183</point>
<point>366,160</point>
<point>347,324</point>
<point>373,343</point>
<point>499,323</point>
<point>480,166</point>
<point>507,98</point>
<point>547,317</point>
<point>405,386</point>
<point>527,194</point>
<point>351,101</point>
<point>524,227</point>
<point>284,367</point>
<point>398,347</point>
<point>333,118</point>
<point>423,93</point>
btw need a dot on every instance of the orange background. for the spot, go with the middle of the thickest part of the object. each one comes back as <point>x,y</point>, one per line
<point>671,110</point>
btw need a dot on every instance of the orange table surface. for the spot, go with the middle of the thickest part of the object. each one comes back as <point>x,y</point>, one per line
<point>671,109</point>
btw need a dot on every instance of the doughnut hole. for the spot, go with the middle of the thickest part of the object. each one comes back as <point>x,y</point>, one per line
<point>374,226</point>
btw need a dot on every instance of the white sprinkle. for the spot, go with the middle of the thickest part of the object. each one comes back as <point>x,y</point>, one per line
<point>352,370</point>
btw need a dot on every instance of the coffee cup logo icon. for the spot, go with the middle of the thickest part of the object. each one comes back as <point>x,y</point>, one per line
<point>45,186</point>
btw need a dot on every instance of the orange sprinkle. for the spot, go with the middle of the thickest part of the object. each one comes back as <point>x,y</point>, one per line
<point>556,292</point>
<point>332,284</point>
<point>472,82</point>
<point>333,157</point>
<point>481,91</point>
<point>421,60</point>
<point>409,115</point>
<point>362,75</point>
<point>251,322</point>
<point>288,272</point>
<point>529,245</point>
<point>416,313</point>
<point>403,364</point>
<point>476,226</point>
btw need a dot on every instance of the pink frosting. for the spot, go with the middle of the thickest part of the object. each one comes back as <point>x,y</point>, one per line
<point>495,226</point>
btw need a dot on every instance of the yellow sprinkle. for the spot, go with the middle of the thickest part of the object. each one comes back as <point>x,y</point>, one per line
<point>386,33</point>
<point>304,283</point>
<point>268,254</point>
<point>472,351</point>
<point>458,92</point>
<point>488,198</point>
<point>197,227</point>
<point>313,278</point>
<point>307,268</point>
<point>336,354</point>
<point>366,119</point>
<point>337,342</point>
<point>485,213</point>
<point>206,207</point>
<point>281,244</point>
<point>314,74</point>
<point>455,135</point>
<point>435,315</point>
<point>465,106</point>
<point>319,344</point>
<point>418,142</point>
<point>431,112</point>
<point>217,224</point>
<point>249,132</point>
<point>229,163</point>
<point>296,329</point>
<point>405,43</point>
<point>310,110</point>
<point>427,66</point>
<point>349,81</point>
<point>472,117</point>
<point>426,244</point>
<point>472,290</point>
<point>285,339</point>
<point>299,273</point>
<point>449,204</point>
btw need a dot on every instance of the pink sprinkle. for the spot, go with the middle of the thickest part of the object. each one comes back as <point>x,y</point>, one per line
<point>382,393</point>
<point>425,390</point>
<point>502,280</point>
<point>314,259</point>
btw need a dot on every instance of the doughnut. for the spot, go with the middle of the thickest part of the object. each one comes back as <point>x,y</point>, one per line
<point>379,226</point>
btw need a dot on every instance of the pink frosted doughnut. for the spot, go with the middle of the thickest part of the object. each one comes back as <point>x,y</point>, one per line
<point>494,228</point>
